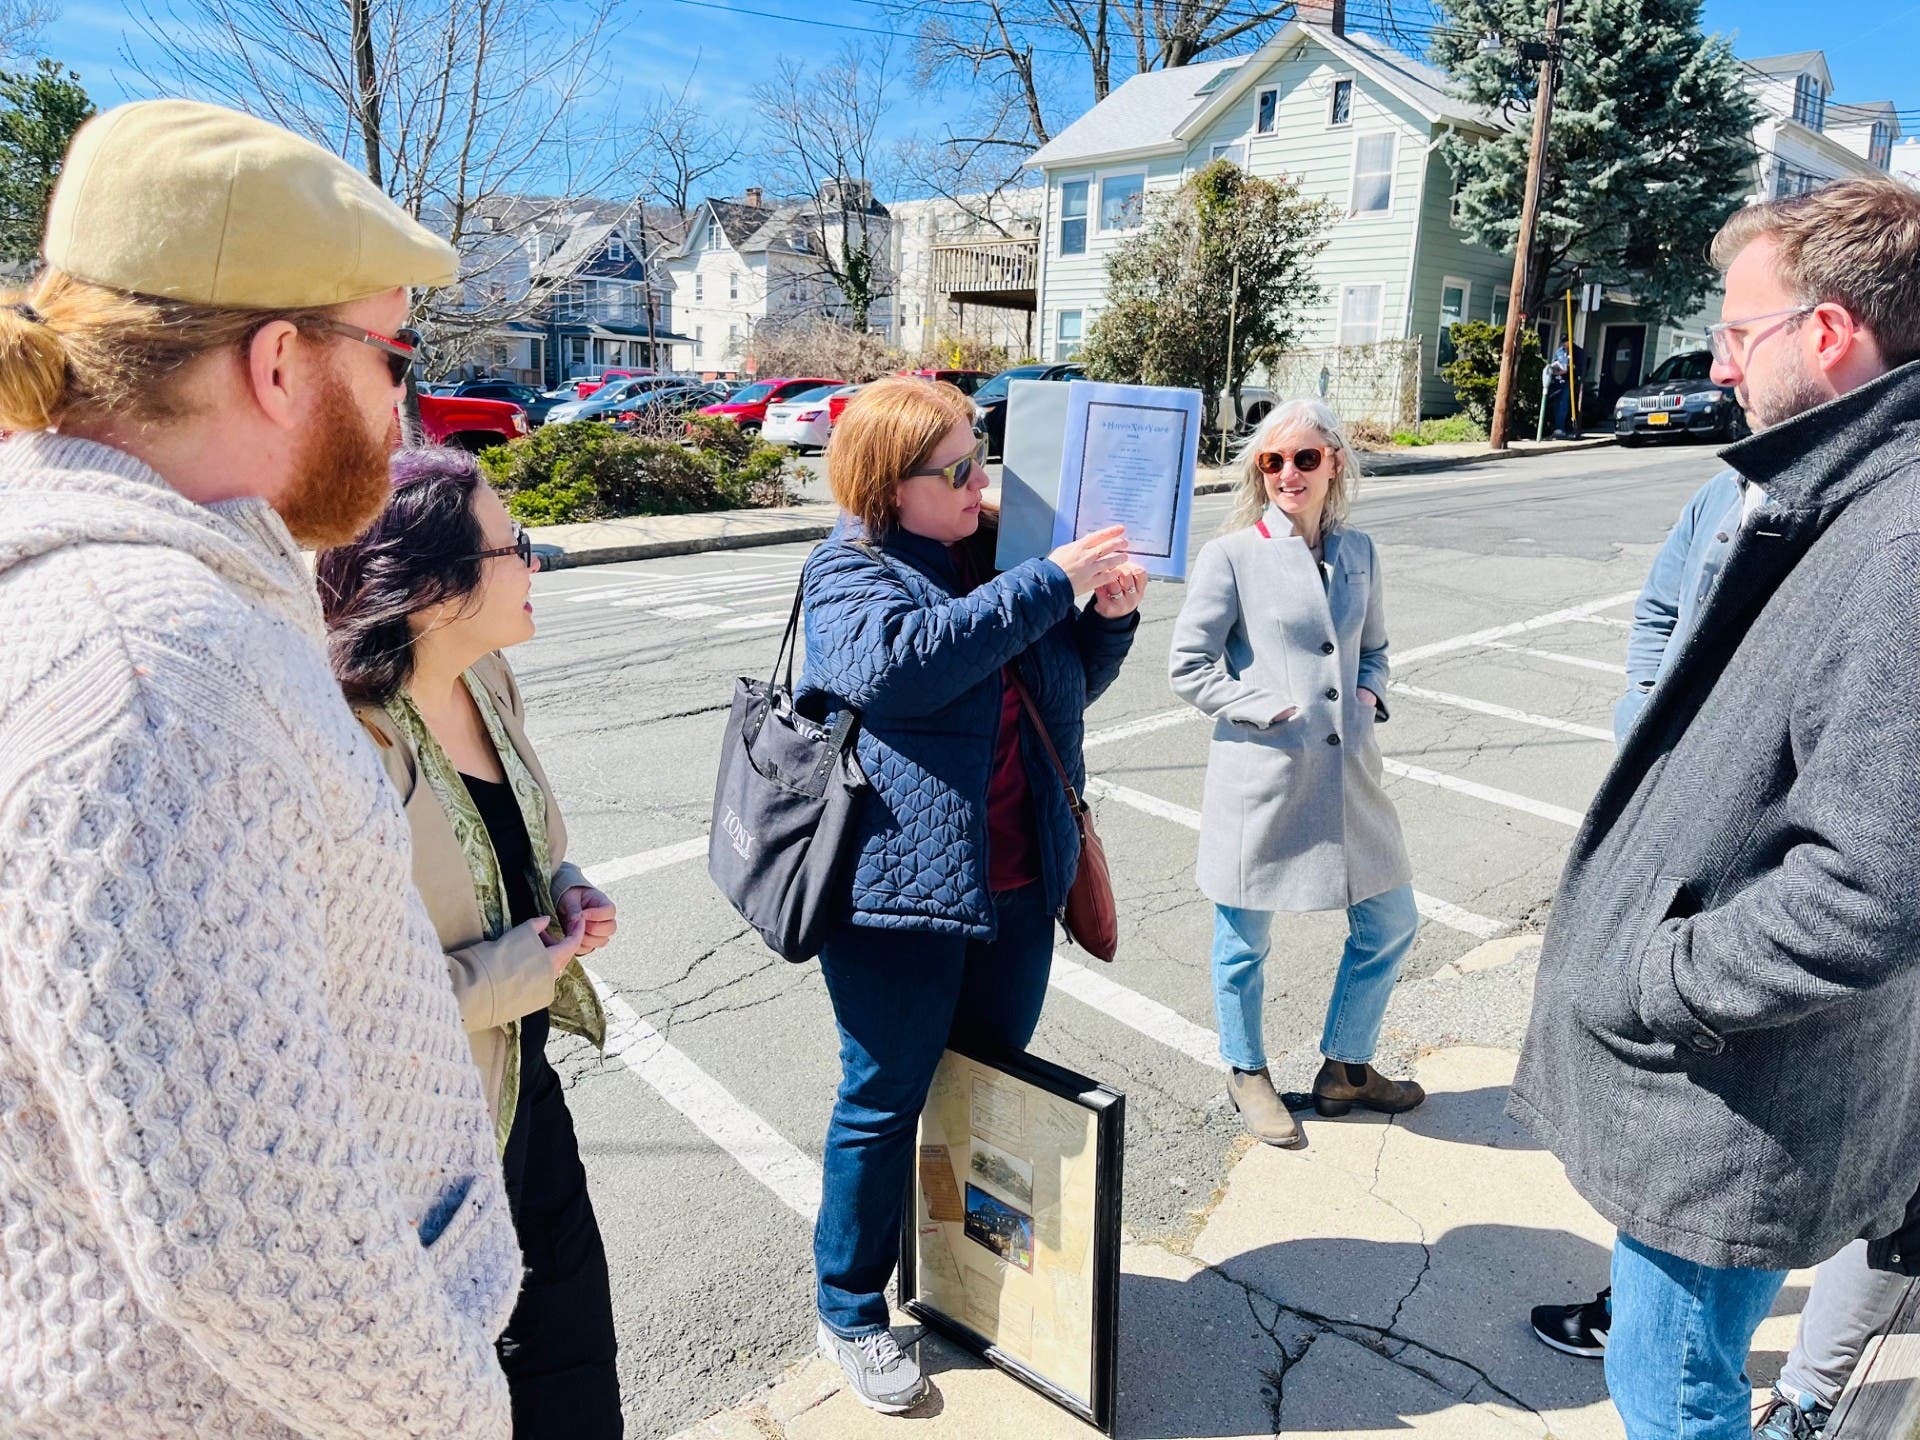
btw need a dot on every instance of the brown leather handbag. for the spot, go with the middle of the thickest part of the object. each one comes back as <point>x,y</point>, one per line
<point>1091,919</point>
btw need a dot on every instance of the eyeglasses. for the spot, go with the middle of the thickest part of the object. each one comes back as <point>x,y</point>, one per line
<point>1720,337</point>
<point>1306,460</point>
<point>402,347</point>
<point>960,473</point>
<point>522,546</point>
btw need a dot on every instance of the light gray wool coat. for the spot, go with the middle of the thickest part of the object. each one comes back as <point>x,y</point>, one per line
<point>1294,816</point>
<point>1725,1044</point>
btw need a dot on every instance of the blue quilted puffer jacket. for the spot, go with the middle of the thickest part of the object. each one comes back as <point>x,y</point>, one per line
<point>890,635</point>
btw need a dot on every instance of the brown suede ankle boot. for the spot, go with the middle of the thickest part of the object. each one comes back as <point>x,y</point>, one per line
<point>1266,1115</point>
<point>1339,1087</point>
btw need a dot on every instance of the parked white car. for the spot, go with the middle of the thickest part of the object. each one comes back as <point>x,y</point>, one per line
<point>805,421</point>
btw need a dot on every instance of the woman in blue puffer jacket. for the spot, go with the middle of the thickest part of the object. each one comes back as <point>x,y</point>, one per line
<point>966,843</point>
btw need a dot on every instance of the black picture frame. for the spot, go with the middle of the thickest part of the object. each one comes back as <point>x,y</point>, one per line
<point>1108,1108</point>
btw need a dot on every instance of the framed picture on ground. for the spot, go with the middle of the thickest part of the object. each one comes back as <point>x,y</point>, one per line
<point>1011,1245</point>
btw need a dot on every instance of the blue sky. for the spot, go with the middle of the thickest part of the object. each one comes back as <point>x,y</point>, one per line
<point>1872,48</point>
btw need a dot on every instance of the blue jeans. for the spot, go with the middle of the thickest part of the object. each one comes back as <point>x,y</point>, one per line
<point>1677,1353</point>
<point>1380,931</point>
<point>899,997</point>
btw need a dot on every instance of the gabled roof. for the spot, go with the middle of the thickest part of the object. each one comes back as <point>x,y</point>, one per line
<point>1852,113</point>
<point>1782,66</point>
<point>784,225</point>
<point>1160,111</point>
<point>583,242</point>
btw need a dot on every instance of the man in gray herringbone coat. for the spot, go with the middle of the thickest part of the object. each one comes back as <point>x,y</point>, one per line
<point>1725,1044</point>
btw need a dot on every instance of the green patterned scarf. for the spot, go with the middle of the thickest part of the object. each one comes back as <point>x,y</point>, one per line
<point>576,1008</point>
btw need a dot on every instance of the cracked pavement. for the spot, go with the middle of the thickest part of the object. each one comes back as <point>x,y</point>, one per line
<point>1375,1283</point>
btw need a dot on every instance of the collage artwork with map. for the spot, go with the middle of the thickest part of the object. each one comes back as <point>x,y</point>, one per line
<point>1005,1217</point>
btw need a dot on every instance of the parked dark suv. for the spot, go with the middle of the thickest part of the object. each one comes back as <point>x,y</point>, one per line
<point>535,402</point>
<point>990,400</point>
<point>1680,398</point>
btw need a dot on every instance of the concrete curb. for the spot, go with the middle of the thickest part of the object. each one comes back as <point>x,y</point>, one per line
<point>721,532</point>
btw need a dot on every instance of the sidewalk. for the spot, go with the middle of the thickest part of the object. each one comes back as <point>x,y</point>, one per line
<point>1373,1285</point>
<point>650,537</point>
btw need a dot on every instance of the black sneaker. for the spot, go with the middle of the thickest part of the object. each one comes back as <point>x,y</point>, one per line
<point>1576,1329</point>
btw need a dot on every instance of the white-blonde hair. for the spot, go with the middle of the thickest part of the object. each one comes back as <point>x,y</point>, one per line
<point>1250,498</point>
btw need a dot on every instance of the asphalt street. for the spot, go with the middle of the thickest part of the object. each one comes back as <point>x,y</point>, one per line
<point>1508,591</point>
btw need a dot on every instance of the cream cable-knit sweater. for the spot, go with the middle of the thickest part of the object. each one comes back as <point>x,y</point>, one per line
<point>248,1186</point>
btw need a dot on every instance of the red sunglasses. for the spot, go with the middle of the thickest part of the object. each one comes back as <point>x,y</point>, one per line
<point>402,347</point>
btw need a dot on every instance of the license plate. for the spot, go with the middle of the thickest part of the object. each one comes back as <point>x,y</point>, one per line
<point>1659,417</point>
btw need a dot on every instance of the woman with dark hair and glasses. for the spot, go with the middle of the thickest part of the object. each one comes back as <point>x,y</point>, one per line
<point>418,610</point>
<point>1282,642</point>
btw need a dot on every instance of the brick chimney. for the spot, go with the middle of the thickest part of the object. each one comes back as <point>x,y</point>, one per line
<point>753,196</point>
<point>1328,14</point>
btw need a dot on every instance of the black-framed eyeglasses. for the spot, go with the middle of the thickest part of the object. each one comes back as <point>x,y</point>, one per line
<point>522,546</point>
<point>959,474</point>
<point>401,348</point>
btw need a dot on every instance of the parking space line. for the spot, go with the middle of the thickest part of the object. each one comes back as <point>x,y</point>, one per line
<point>1559,814</point>
<point>1605,667</point>
<point>1136,1011</point>
<point>1501,712</point>
<point>1441,912</point>
<point>1146,725</point>
<point>625,868</point>
<point>1517,627</point>
<point>1610,620</point>
<point>755,1146</point>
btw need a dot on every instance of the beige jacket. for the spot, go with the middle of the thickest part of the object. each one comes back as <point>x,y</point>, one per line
<point>496,981</point>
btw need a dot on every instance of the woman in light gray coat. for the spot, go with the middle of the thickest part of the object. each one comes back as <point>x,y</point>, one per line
<point>1282,641</point>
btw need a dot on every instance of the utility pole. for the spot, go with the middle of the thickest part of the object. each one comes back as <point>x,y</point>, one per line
<point>1529,222</point>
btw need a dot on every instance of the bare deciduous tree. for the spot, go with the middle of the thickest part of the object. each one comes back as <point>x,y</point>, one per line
<point>682,146</point>
<point>822,128</point>
<point>21,24</point>
<point>459,109</point>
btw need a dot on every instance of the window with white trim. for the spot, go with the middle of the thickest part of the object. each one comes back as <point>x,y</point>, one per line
<point>1373,157</point>
<point>1360,307</point>
<point>1502,298</point>
<point>1123,201</point>
<point>699,339</point>
<point>1880,147</point>
<point>1265,107</point>
<point>1340,104</point>
<point>715,239</point>
<point>733,285</point>
<point>1810,102</point>
<point>616,249</point>
<point>1068,329</point>
<point>1233,150</point>
<point>1455,296</point>
<point>699,286</point>
<point>1073,216</point>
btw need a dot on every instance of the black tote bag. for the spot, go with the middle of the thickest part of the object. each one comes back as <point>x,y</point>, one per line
<point>783,809</point>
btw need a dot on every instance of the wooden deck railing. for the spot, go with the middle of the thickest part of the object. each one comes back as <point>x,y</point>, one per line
<point>985,266</point>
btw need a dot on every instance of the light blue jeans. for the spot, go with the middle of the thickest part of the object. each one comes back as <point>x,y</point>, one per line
<point>1677,1353</point>
<point>1380,931</point>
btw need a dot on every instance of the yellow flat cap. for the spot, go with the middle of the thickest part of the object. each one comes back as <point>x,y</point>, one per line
<point>206,205</point>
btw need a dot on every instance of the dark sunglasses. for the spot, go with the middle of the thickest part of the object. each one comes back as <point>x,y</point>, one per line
<point>522,546</point>
<point>1272,462</point>
<point>960,473</point>
<point>402,347</point>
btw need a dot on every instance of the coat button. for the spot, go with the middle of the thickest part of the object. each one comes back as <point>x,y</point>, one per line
<point>1333,739</point>
<point>1721,537</point>
<point>1708,1044</point>
<point>1333,694</point>
<point>1326,647</point>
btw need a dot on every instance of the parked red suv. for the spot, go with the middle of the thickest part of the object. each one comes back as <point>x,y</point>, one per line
<point>748,408</point>
<point>470,424</point>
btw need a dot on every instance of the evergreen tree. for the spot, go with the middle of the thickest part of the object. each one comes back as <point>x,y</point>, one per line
<point>39,111</point>
<point>1650,149</point>
<point>1172,306</point>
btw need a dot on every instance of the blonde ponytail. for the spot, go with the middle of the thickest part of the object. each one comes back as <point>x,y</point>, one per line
<point>33,369</point>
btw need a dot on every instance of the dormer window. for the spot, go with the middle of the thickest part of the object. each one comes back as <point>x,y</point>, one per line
<point>1810,102</point>
<point>616,249</point>
<point>1880,147</point>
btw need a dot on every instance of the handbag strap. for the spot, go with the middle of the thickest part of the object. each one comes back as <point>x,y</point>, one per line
<point>787,644</point>
<point>1046,740</point>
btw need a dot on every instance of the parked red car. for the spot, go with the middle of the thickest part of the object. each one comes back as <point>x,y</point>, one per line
<point>471,424</point>
<point>837,401</point>
<point>583,388</point>
<point>968,381</point>
<point>748,408</point>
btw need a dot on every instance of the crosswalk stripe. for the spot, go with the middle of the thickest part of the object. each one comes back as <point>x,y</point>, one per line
<point>1518,627</point>
<point>755,1146</point>
<point>674,584</point>
<point>1605,667</point>
<point>1146,725</point>
<point>1136,1011</point>
<point>1441,912</point>
<point>1507,798</point>
<point>654,601</point>
<point>625,868</point>
<point>1501,712</point>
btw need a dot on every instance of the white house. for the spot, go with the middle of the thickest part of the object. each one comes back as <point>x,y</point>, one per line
<point>1906,159</point>
<point>1353,121</point>
<point>966,269</point>
<point>1806,138</point>
<point>745,262</point>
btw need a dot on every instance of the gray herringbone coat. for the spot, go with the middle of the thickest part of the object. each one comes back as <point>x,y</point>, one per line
<point>1294,817</point>
<point>1725,1044</point>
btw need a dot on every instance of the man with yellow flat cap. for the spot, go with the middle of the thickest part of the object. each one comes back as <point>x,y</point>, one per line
<point>248,1182</point>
